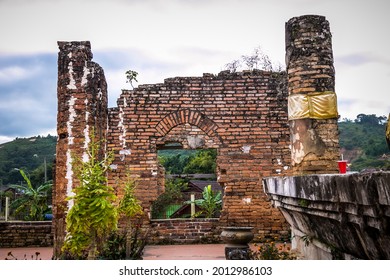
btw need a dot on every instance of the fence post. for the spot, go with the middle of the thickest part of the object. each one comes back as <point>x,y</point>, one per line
<point>6,208</point>
<point>192,205</point>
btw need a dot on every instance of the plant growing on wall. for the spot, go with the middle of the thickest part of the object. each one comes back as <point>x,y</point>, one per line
<point>131,76</point>
<point>33,200</point>
<point>94,214</point>
<point>233,66</point>
<point>257,60</point>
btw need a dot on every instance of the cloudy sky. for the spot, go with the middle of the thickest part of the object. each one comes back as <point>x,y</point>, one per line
<point>169,38</point>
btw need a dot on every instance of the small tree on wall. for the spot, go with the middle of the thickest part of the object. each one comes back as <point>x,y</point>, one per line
<point>94,214</point>
<point>131,76</point>
<point>257,60</point>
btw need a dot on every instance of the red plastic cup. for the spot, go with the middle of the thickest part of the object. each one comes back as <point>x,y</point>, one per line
<point>342,166</point>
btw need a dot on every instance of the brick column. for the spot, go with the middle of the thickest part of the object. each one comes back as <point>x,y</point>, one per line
<point>82,108</point>
<point>312,100</point>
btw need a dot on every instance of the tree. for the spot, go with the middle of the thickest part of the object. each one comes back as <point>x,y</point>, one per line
<point>174,164</point>
<point>33,200</point>
<point>203,162</point>
<point>257,60</point>
<point>233,66</point>
<point>211,202</point>
<point>173,194</point>
<point>130,208</point>
<point>131,76</point>
<point>364,143</point>
<point>94,214</point>
<point>369,119</point>
<point>129,205</point>
<point>347,120</point>
<point>27,154</point>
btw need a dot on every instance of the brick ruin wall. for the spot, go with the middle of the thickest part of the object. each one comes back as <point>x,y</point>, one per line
<point>82,108</point>
<point>26,234</point>
<point>243,115</point>
<point>184,231</point>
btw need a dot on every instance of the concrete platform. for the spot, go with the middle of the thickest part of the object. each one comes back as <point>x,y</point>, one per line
<point>152,252</point>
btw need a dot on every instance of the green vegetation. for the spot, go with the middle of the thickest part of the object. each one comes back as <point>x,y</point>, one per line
<point>172,195</point>
<point>129,244</point>
<point>130,209</point>
<point>92,221</point>
<point>129,206</point>
<point>94,214</point>
<point>363,142</point>
<point>116,245</point>
<point>131,76</point>
<point>178,162</point>
<point>33,200</point>
<point>210,203</point>
<point>272,251</point>
<point>188,161</point>
<point>28,154</point>
<point>174,161</point>
<point>204,161</point>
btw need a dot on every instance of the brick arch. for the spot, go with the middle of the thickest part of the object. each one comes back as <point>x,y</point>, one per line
<point>187,116</point>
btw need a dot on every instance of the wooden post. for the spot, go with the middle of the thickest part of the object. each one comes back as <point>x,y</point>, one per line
<point>6,208</point>
<point>192,205</point>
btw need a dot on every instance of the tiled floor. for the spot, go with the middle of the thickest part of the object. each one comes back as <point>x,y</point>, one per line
<point>163,252</point>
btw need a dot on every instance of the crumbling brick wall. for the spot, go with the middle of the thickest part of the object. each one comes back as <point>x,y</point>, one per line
<point>26,234</point>
<point>184,231</point>
<point>82,108</point>
<point>243,115</point>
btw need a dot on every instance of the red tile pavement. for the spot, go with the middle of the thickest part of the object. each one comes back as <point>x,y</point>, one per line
<point>151,252</point>
<point>185,252</point>
<point>27,253</point>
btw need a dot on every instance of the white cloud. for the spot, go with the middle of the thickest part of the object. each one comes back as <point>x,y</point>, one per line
<point>362,89</point>
<point>16,73</point>
<point>18,102</point>
<point>4,139</point>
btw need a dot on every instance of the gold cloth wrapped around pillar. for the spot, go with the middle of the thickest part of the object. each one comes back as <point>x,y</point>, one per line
<point>316,105</point>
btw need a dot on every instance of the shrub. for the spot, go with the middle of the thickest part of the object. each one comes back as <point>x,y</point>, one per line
<point>270,251</point>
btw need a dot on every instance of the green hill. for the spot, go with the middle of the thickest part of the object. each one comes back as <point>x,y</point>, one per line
<point>363,142</point>
<point>28,154</point>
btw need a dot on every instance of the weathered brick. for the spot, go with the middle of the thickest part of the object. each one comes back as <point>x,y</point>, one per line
<point>26,234</point>
<point>243,115</point>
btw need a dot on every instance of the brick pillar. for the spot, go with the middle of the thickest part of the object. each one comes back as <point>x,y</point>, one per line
<point>312,100</point>
<point>82,108</point>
